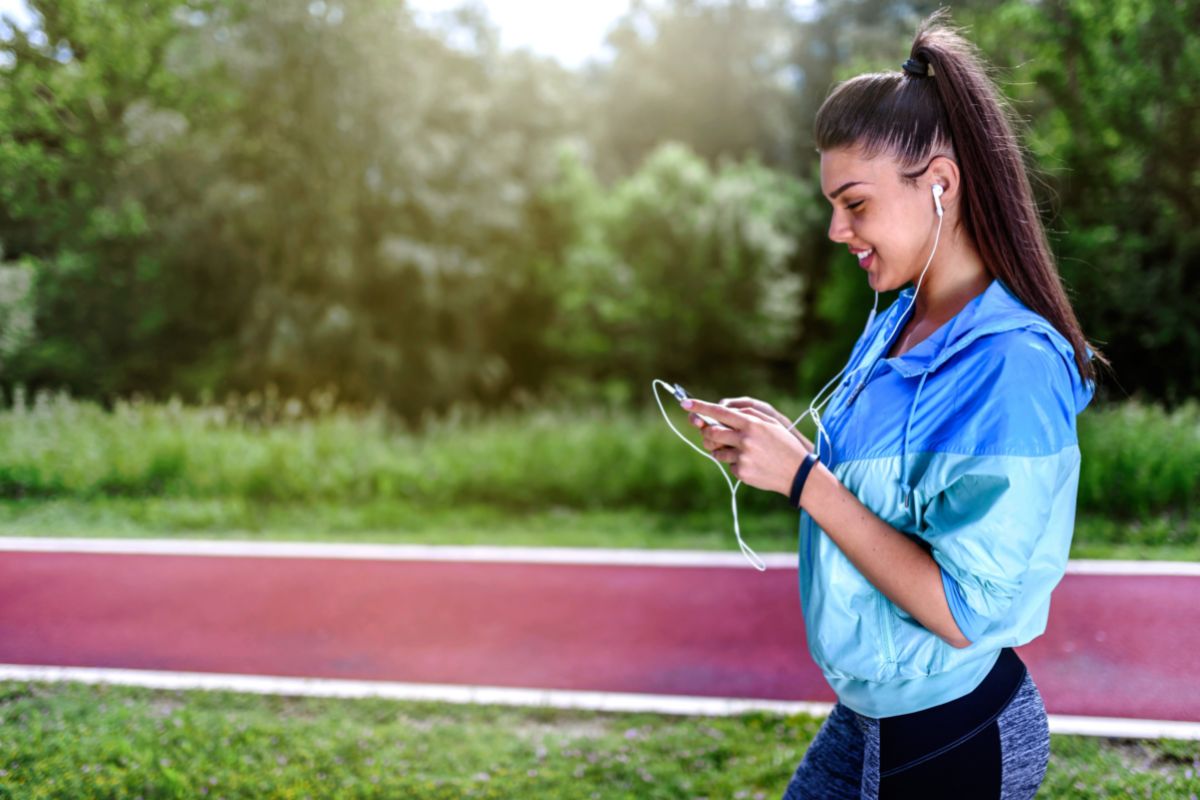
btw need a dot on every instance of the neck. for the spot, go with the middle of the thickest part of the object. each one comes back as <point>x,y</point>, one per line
<point>955,276</point>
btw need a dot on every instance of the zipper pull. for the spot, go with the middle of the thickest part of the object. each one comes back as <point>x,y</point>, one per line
<point>854,394</point>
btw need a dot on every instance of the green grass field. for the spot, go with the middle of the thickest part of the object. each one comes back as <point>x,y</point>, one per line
<point>74,741</point>
<point>550,476</point>
<point>1139,462</point>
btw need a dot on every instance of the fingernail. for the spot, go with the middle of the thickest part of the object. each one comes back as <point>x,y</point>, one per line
<point>686,403</point>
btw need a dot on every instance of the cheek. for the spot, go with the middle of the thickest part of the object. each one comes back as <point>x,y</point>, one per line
<point>899,236</point>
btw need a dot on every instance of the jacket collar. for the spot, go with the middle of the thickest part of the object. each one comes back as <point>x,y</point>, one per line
<point>994,310</point>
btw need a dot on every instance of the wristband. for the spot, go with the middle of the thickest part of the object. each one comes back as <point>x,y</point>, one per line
<point>801,476</point>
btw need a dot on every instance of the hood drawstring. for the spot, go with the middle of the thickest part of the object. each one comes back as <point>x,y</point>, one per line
<point>904,469</point>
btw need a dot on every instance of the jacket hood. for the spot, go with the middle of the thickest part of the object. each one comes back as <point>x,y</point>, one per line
<point>995,310</point>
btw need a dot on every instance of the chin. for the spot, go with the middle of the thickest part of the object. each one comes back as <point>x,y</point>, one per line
<point>883,284</point>
<point>878,282</point>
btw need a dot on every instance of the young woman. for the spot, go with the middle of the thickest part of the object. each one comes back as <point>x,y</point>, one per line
<point>938,502</point>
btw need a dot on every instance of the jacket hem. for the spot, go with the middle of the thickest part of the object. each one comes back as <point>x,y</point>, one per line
<point>879,699</point>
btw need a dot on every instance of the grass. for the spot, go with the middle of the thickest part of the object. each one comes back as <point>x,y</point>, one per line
<point>393,523</point>
<point>598,476</point>
<point>78,741</point>
<point>1138,460</point>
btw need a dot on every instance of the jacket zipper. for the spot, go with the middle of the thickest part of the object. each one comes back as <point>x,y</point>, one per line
<point>889,647</point>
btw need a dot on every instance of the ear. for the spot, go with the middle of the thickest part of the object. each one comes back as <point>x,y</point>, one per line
<point>944,170</point>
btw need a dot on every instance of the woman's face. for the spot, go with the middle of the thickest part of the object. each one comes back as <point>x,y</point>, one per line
<point>873,209</point>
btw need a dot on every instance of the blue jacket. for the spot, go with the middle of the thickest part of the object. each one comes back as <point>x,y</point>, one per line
<point>966,443</point>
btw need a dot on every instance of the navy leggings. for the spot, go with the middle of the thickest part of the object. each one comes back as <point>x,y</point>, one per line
<point>991,743</point>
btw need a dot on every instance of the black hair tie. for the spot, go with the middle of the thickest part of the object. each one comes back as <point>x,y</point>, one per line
<point>915,67</point>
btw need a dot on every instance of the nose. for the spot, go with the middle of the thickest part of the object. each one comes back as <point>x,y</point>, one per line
<point>839,227</point>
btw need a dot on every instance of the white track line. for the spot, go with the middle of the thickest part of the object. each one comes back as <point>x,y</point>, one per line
<point>1113,727</point>
<point>1119,728</point>
<point>485,553</point>
<point>437,692</point>
<point>1114,567</point>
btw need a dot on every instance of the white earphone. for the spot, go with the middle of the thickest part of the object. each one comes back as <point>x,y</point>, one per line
<point>937,197</point>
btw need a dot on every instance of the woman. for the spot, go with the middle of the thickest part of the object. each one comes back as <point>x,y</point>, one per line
<point>938,503</point>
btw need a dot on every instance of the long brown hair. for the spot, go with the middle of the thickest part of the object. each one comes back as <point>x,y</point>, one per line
<point>957,109</point>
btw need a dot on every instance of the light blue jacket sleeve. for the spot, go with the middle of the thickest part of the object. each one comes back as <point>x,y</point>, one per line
<point>992,513</point>
<point>970,623</point>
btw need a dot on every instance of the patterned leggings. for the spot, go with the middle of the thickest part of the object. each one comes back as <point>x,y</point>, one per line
<point>992,743</point>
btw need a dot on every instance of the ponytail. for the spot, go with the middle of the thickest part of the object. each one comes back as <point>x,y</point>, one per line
<point>955,108</point>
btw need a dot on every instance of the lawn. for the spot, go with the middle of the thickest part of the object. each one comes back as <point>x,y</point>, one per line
<point>78,741</point>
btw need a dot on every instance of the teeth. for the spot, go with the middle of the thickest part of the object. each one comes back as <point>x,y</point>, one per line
<point>864,253</point>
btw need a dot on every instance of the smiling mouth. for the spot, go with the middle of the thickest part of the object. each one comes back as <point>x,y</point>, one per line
<point>866,258</point>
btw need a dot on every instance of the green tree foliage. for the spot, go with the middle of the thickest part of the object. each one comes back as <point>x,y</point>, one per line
<point>680,272</point>
<point>16,309</point>
<point>383,183</point>
<point>338,197</point>
<point>73,93</point>
<point>205,195</point>
<point>1112,91</point>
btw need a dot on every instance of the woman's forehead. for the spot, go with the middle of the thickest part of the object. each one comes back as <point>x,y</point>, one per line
<point>842,167</point>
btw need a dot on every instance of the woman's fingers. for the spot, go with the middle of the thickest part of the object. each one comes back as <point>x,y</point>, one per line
<point>761,415</point>
<point>726,454</point>
<point>747,403</point>
<point>720,438</point>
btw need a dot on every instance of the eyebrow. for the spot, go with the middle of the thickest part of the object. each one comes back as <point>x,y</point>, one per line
<point>843,188</point>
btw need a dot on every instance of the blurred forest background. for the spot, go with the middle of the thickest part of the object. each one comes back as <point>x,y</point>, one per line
<point>200,197</point>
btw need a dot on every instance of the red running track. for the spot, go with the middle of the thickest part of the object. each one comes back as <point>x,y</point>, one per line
<point>1116,646</point>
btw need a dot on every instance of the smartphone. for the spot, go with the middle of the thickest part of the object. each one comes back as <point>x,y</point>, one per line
<point>681,395</point>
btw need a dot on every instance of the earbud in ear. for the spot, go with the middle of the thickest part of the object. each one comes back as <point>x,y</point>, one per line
<point>937,197</point>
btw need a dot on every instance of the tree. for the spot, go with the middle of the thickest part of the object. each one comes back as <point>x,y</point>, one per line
<point>1111,92</point>
<point>85,99</point>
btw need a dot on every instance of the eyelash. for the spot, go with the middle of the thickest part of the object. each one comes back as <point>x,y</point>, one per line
<point>853,206</point>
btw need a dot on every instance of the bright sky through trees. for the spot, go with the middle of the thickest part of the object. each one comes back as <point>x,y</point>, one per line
<point>572,33</point>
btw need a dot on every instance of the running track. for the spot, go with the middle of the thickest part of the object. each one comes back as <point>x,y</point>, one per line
<point>702,625</point>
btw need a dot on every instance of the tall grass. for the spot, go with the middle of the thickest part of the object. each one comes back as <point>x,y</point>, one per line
<point>1138,460</point>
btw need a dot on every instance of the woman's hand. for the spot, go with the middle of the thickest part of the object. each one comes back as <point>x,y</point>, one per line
<point>744,403</point>
<point>760,449</point>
